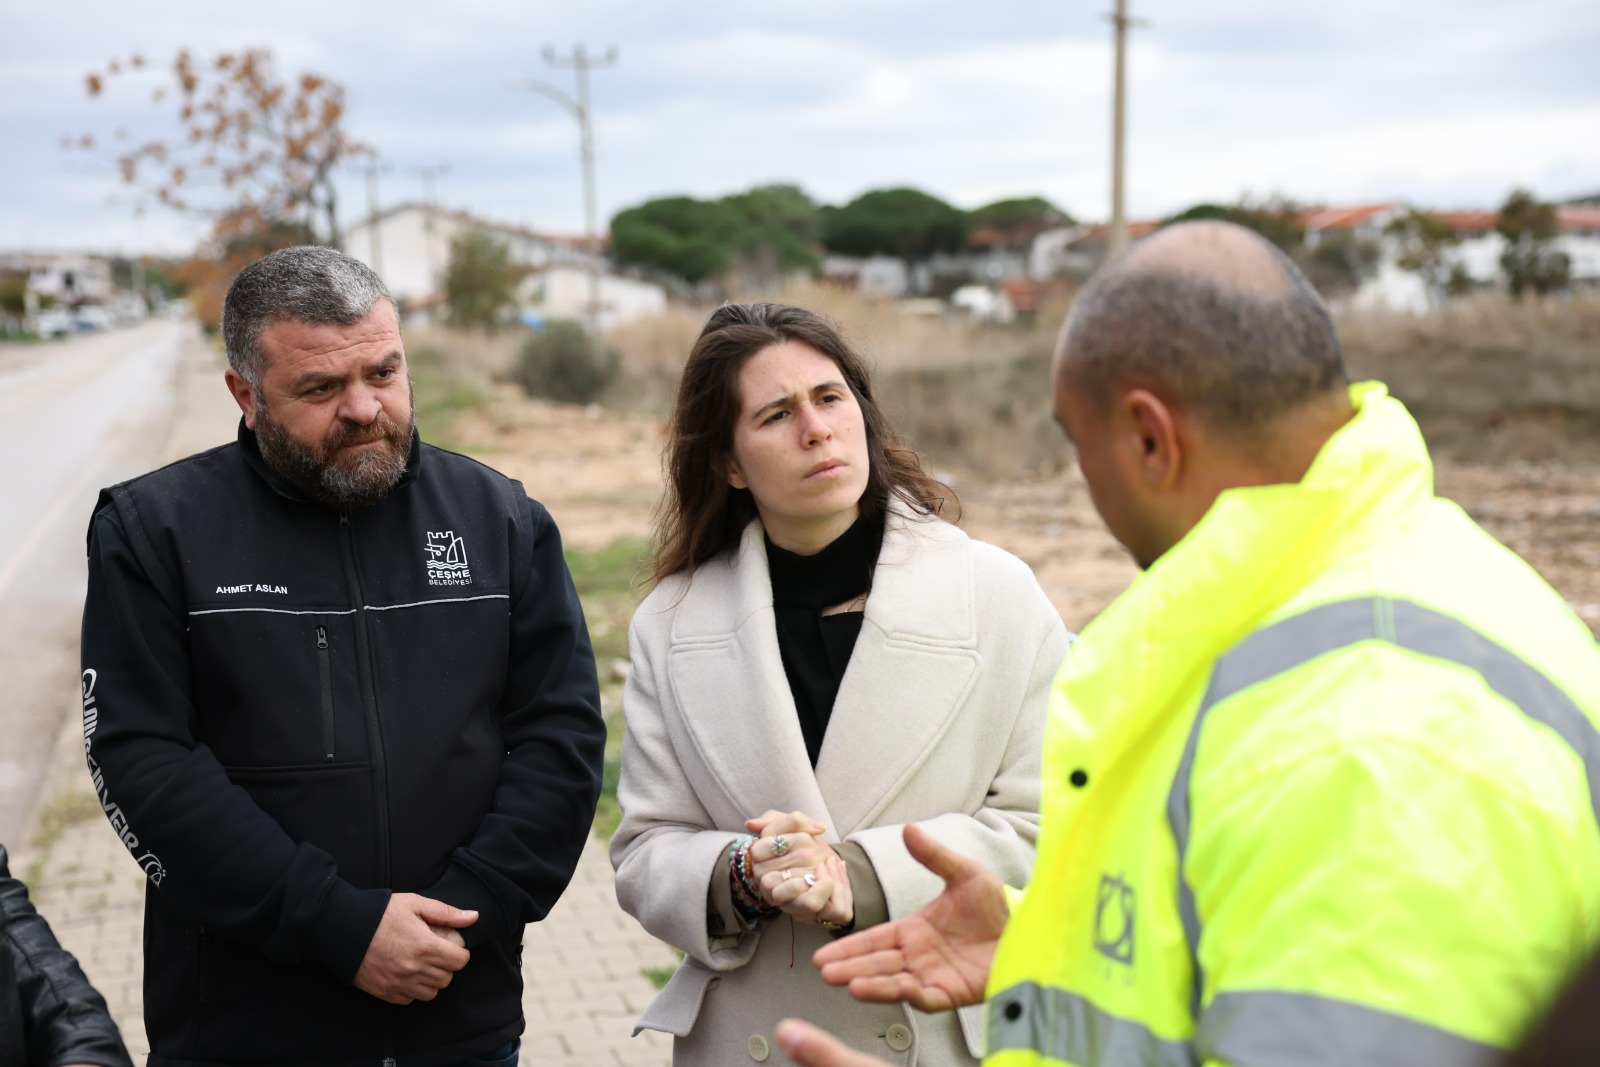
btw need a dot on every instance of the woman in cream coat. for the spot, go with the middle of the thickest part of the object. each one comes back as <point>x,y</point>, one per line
<point>769,762</point>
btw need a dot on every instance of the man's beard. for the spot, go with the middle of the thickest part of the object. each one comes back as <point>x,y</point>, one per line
<point>357,480</point>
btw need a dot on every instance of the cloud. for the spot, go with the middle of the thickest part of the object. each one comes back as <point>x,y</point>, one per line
<point>1447,102</point>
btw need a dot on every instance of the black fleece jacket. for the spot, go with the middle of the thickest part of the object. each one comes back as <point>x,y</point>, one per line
<point>291,712</point>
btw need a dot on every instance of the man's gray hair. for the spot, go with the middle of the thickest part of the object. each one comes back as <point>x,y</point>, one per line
<point>306,283</point>
<point>1214,313</point>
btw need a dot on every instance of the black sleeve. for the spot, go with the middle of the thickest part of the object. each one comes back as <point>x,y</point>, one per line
<point>63,1019</point>
<point>202,841</point>
<point>525,850</point>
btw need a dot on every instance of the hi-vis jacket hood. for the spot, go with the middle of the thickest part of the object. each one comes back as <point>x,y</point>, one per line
<point>1321,785</point>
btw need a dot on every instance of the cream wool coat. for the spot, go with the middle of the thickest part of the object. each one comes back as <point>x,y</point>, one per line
<point>939,720</point>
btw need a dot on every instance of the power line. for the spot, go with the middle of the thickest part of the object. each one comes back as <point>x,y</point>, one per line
<point>581,62</point>
<point>374,239</point>
<point>430,207</point>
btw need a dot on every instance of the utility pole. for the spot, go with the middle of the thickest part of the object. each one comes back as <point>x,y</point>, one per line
<point>581,63</point>
<point>430,207</point>
<point>374,239</point>
<point>1118,236</point>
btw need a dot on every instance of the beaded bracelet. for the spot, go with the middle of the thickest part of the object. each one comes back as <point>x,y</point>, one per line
<point>746,897</point>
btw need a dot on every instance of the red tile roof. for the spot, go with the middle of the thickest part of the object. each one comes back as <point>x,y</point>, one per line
<point>1470,221</point>
<point>1578,217</point>
<point>1341,218</point>
<point>1136,230</point>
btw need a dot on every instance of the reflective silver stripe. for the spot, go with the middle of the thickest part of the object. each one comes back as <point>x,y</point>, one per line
<point>269,611</point>
<point>1299,639</point>
<point>1065,1026</point>
<point>441,600</point>
<point>1298,1030</point>
<point>364,607</point>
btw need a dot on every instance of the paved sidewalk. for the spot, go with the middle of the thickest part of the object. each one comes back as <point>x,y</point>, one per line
<point>582,965</point>
<point>584,985</point>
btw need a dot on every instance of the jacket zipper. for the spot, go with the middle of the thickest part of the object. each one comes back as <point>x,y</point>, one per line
<point>325,673</point>
<point>369,695</point>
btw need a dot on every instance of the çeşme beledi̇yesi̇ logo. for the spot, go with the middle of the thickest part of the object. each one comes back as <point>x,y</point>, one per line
<point>447,559</point>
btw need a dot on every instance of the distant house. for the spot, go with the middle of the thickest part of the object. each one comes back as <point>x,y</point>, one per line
<point>1580,240</point>
<point>1360,221</point>
<point>1479,246</point>
<point>561,291</point>
<point>1387,285</point>
<point>1477,250</point>
<point>409,247</point>
<point>65,278</point>
<point>1075,251</point>
<point>871,276</point>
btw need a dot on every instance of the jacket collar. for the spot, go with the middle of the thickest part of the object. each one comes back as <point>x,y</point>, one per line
<point>1244,560</point>
<point>912,665</point>
<point>912,608</point>
<point>284,488</point>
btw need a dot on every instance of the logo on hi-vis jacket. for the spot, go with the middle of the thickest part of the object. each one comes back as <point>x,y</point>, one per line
<point>1113,920</point>
<point>447,559</point>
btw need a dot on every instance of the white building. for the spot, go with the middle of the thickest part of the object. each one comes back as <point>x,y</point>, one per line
<point>562,292</point>
<point>872,276</point>
<point>1388,285</point>
<point>409,247</point>
<point>1476,252</point>
<point>66,278</point>
<point>1479,247</point>
<point>1580,240</point>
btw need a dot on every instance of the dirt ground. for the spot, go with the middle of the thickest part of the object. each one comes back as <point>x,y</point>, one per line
<point>599,473</point>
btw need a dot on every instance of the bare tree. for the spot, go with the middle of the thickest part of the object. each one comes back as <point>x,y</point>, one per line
<point>250,144</point>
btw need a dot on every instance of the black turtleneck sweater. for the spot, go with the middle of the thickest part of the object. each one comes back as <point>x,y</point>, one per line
<point>816,648</point>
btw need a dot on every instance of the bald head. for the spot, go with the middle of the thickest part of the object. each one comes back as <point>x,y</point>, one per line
<point>1212,316</point>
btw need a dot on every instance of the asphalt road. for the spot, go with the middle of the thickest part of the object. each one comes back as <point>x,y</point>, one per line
<point>75,416</point>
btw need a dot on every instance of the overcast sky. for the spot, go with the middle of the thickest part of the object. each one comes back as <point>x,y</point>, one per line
<point>1442,103</point>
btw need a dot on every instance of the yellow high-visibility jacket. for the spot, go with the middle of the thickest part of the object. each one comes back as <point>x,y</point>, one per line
<point>1321,787</point>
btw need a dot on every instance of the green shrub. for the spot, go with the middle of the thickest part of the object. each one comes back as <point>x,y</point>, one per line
<point>563,362</point>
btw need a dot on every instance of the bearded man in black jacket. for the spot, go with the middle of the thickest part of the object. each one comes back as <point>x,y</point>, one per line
<point>339,704</point>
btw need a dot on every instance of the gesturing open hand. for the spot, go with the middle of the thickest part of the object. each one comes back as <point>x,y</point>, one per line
<point>936,958</point>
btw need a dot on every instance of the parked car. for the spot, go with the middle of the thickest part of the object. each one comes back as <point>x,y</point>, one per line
<point>92,317</point>
<point>53,322</point>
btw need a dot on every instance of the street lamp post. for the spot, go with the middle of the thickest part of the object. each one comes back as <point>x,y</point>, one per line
<point>581,62</point>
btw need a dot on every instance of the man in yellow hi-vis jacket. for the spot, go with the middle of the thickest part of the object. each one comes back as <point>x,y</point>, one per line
<point>1321,787</point>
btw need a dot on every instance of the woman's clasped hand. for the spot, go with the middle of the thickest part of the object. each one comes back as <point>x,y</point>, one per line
<point>797,872</point>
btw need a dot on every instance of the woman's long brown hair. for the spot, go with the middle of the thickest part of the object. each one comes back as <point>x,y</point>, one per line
<point>701,514</point>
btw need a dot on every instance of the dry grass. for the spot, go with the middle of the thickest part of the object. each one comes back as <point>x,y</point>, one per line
<point>964,392</point>
<point>488,356</point>
<point>1491,380</point>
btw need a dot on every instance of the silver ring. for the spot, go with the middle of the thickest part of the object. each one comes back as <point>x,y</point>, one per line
<point>811,878</point>
<point>780,845</point>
